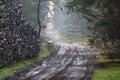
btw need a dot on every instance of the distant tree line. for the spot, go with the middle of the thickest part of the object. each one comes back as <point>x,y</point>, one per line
<point>18,40</point>
<point>105,15</point>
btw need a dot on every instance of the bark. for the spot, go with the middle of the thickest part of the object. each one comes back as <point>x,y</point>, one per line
<point>39,22</point>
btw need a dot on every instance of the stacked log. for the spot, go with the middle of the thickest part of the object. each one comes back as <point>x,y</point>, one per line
<point>18,40</point>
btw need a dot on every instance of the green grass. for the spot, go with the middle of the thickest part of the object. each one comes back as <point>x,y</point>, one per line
<point>106,60</point>
<point>21,64</point>
<point>76,40</point>
<point>111,71</point>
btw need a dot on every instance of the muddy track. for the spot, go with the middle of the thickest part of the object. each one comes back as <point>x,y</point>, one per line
<point>70,63</point>
<point>80,68</point>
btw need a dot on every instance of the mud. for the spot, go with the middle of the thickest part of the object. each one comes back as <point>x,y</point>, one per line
<point>70,62</point>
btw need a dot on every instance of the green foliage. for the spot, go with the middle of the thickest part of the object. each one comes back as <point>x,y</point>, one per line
<point>105,15</point>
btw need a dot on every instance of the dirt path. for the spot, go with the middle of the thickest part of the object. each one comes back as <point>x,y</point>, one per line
<point>80,67</point>
<point>72,62</point>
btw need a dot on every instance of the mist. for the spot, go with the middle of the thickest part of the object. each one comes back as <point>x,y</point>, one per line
<point>54,16</point>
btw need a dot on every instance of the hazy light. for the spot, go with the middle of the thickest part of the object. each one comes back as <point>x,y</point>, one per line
<point>50,26</point>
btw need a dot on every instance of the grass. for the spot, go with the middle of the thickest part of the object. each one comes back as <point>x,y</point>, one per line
<point>21,64</point>
<point>76,40</point>
<point>106,60</point>
<point>110,70</point>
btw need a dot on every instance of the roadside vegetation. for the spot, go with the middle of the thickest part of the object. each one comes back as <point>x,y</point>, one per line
<point>76,40</point>
<point>107,69</point>
<point>10,69</point>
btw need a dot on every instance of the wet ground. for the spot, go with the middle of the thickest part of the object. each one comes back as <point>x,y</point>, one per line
<point>81,66</point>
<point>71,62</point>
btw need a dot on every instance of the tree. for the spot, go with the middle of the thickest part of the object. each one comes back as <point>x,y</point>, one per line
<point>39,22</point>
<point>105,15</point>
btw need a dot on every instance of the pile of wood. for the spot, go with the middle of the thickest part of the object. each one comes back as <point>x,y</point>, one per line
<point>17,38</point>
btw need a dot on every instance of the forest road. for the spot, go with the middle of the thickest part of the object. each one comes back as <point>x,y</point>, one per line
<point>72,62</point>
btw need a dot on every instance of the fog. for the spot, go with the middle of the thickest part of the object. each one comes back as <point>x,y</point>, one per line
<point>54,16</point>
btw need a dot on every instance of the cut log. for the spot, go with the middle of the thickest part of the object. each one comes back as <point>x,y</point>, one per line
<point>18,39</point>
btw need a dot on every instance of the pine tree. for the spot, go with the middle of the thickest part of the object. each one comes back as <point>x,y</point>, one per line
<point>105,15</point>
